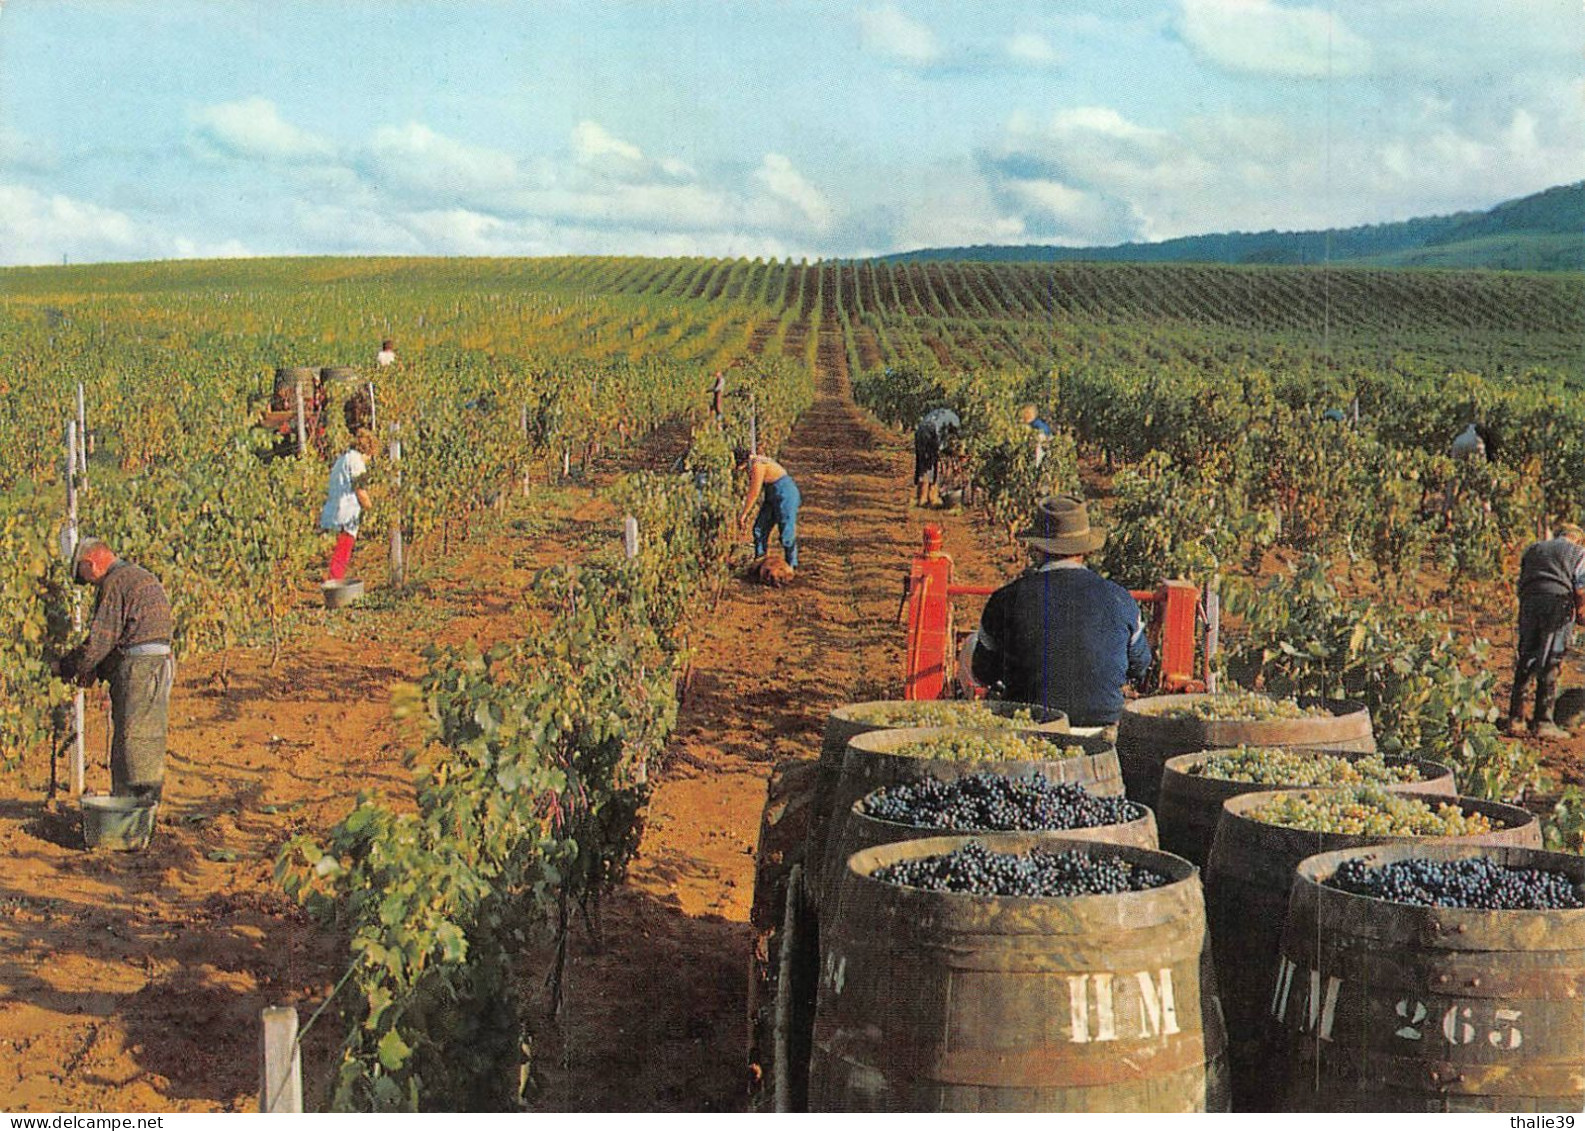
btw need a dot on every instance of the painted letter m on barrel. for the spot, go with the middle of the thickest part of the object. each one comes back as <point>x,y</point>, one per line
<point>1093,1006</point>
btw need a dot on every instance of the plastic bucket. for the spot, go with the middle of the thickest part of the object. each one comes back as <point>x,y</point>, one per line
<point>122,824</point>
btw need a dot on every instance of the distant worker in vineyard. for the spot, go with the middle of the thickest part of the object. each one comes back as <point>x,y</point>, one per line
<point>1551,603</point>
<point>769,482</point>
<point>1469,444</point>
<point>358,410</point>
<point>129,647</point>
<point>718,397</point>
<point>1029,416</point>
<point>346,500</point>
<point>1062,636</point>
<point>935,435</point>
<point>387,355</point>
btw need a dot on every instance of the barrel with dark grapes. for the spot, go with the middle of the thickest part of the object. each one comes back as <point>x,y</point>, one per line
<point>1421,978</point>
<point>985,803</point>
<point>889,757</point>
<point>848,722</point>
<point>1004,973</point>
<point>1259,843</point>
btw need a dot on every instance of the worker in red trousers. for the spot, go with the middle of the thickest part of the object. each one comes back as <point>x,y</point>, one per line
<point>346,500</point>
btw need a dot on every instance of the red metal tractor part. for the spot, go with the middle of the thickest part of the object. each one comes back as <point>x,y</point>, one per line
<point>933,644</point>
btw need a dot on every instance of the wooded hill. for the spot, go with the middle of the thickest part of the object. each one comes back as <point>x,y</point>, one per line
<point>1541,232</point>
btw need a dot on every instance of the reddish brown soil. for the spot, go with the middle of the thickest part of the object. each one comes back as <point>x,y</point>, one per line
<point>133,982</point>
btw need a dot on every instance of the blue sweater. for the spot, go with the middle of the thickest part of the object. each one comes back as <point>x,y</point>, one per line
<point>1065,638</point>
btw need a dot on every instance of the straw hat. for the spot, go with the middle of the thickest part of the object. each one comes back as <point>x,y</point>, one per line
<point>1061,525</point>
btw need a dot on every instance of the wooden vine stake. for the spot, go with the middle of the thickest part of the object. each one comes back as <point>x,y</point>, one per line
<point>302,423</point>
<point>522,423</point>
<point>630,537</point>
<point>398,571</point>
<point>69,538</point>
<point>753,426</point>
<point>82,433</point>
<point>1213,634</point>
<point>281,1073</point>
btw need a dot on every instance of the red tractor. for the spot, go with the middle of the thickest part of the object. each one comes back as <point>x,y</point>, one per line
<point>935,640</point>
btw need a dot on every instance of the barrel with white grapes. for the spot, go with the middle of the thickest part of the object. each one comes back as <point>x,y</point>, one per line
<point>1154,729</point>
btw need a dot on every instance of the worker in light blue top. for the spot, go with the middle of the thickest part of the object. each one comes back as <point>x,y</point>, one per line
<point>1029,416</point>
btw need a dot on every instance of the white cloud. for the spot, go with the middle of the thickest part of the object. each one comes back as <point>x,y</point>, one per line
<point>599,151</point>
<point>35,228</point>
<point>254,128</point>
<point>1266,38</point>
<point>1102,121</point>
<point>652,207</point>
<point>678,170</point>
<point>1031,50</point>
<point>785,183</point>
<point>956,217</point>
<point>416,158</point>
<point>1091,176</point>
<point>592,142</point>
<point>183,247</point>
<point>888,32</point>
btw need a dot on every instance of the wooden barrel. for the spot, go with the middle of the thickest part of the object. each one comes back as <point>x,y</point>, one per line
<point>1429,1009</point>
<point>1190,804</point>
<point>1248,876</point>
<point>1146,739</point>
<point>843,725</point>
<point>861,831</point>
<point>783,957</point>
<point>933,1001</point>
<point>869,764</point>
<point>289,377</point>
<point>343,373</point>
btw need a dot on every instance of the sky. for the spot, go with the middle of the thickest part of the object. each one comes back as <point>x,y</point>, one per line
<point>153,129</point>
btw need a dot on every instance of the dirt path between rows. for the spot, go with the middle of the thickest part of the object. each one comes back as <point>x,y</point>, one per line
<point>658,1020</point>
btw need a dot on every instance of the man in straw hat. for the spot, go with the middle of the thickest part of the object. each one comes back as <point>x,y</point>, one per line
<point>129,646</point>
<point>1060,635</point>
<point>1551,602</point>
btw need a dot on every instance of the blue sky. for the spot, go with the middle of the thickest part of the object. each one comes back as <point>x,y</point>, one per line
<point>135,129</point>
